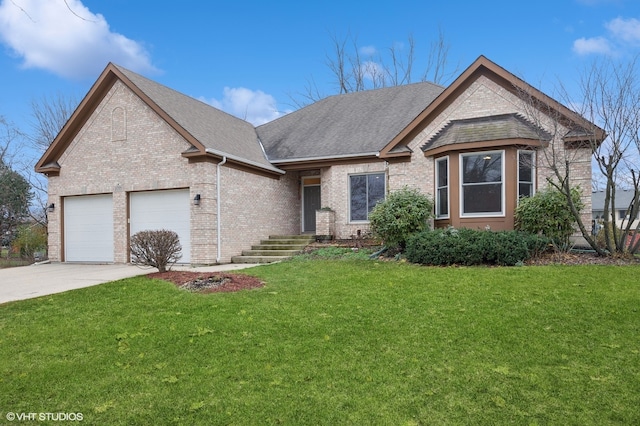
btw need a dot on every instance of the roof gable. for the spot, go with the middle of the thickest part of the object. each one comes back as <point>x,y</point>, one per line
<point>484,67</point>
<point>211,132</point>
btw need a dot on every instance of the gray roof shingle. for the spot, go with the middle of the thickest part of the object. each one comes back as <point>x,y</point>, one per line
<point>623,199</point>
<point>219,132</point>
<point>490,128</point>
<point>355,123</point>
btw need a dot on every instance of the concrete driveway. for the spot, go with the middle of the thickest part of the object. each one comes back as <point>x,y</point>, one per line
<point>27,282</point>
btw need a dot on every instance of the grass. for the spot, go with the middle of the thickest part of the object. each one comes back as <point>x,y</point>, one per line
<point>13,260</point>
<point>335,342</point>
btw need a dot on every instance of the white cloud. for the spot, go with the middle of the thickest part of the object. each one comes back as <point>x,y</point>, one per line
<point>256,107</point>
<point>586,46</point>
<point>372,71</point>
<point>368,50</point>
<point>66,38</point>
<point>627,30</point>
<point>622,34</point>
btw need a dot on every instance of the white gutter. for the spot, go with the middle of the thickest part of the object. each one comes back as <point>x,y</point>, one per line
<point>219,225</point>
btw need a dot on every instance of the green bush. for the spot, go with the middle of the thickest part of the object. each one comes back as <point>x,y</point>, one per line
<point>473,247</point>
<point>30,239</point>
<point>402,214</point>
<point>547,213</point>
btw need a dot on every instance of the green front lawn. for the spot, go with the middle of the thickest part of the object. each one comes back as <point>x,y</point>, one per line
<point>330,342</point>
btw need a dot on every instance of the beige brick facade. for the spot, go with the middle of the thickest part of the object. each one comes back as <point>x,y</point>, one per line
<point>125,147</point>
<point>484,97</point>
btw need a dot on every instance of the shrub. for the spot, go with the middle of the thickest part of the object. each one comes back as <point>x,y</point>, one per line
<point>158,248</point>
<point>472,247</point>
<point>547,213</point>
<point>402,214</point>
<point>30,239</point>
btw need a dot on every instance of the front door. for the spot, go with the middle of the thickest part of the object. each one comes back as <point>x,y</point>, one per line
<point>310,203</point>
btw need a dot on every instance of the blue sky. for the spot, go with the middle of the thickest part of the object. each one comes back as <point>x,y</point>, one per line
<point>250,57</point>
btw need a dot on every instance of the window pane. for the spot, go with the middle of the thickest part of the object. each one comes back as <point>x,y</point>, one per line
<point>442,173</point>
<point>376,190</point>
<point>443,202</point>
<point>358,197</point>
<point>482,198</point>
<point>525,167</point>
<point>525,189</point>
<point>482,168</point>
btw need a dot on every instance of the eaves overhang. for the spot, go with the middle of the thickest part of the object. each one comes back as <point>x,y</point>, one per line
<point>484,145</point>
<point>208,154</point>
<point>324,161</point>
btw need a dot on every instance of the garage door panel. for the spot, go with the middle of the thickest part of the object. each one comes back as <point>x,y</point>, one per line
<point>88,228</point>
<point>153,210</point>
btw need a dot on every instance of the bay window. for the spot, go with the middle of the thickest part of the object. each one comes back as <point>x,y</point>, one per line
<point>442,188</point>
<point>526,173</point>
<point>482,183</point>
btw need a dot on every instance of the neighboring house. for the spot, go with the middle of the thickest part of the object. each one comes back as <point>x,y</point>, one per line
<point>137,155</point>
<point>623,201</point>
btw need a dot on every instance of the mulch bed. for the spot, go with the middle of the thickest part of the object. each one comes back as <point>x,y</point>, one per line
<point>208,282</point>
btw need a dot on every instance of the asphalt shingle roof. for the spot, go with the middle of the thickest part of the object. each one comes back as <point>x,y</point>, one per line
<point>623,199</point>
<point>349,124</point>
<point>219,132</point>
<point>480,129</point>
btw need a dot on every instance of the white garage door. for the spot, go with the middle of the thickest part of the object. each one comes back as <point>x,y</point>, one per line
<point>88,228</point>
<point>155,210</point>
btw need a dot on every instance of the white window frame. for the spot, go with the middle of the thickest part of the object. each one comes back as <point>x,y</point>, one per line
<point>447,186</point>
<point>533,171</point>
<point>461,185</point>
<point>384,178</point>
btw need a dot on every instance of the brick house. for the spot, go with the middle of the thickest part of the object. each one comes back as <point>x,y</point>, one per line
<point>138,155</point>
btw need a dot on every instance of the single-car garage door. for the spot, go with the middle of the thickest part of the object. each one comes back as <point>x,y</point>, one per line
<point>88,228</point>
<point>153,210</point>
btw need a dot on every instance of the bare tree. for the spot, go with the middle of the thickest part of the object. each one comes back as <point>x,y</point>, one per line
<point>355,68</point>
<point>9,137</point>
<point>609,98</point>
<point>611,93</point>
<point>49,115</point>
<point>15,190</point>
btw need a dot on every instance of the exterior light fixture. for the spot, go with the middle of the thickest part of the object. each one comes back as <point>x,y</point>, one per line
<point>51,207</point>
<point>196,200</point>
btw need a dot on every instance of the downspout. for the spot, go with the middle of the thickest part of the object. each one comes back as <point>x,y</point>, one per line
<point>219,224</point>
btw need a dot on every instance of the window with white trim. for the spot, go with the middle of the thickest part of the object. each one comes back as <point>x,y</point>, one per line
<point>442,188</point>
<point>365,191</point>
<point>482,184</point>
<point>526,173</point>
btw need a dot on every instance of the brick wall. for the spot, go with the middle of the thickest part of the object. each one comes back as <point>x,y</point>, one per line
<point>483,98</point>
<point>254,207</point>
<point>105,158</point>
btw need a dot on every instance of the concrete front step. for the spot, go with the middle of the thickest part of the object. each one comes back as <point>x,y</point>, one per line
<point>276,248</point>
<point>258,259</point>
<point>279,247</point>
<point>271,252</point>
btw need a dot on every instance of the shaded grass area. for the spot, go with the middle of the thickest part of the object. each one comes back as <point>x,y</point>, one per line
<point>336,342</point>
<point>12,260</point>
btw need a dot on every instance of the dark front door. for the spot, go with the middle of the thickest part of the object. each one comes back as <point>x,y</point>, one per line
<point>310,204</point>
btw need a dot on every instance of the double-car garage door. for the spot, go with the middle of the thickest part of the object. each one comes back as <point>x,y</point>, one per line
<point>89,223</point>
